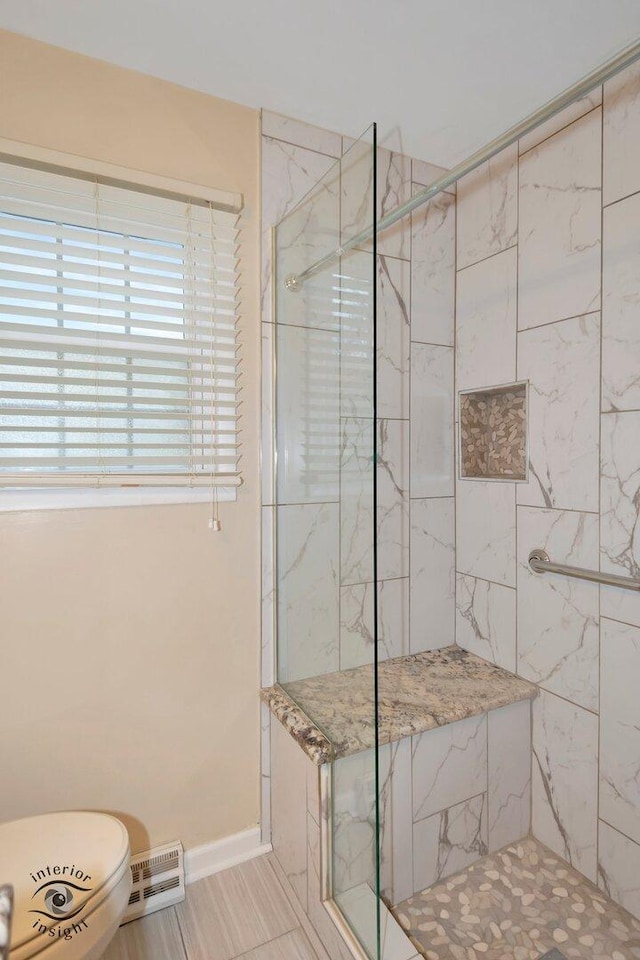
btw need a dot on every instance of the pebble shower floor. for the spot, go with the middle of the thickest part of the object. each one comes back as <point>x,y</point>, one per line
<point>522,903</point>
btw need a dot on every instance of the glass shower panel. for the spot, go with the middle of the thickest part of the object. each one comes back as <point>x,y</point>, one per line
<point>325,496</point>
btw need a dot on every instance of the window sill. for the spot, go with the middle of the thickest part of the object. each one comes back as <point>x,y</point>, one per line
<point>74,499</point>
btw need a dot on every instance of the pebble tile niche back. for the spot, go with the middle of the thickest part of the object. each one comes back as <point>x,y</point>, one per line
<point>493,433</point>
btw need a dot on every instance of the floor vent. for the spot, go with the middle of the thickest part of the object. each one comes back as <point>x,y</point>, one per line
<point>158,880</point>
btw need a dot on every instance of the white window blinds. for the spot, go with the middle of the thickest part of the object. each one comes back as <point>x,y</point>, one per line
<point>118,336</point>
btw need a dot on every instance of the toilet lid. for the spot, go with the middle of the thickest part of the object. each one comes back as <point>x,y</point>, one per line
<point>56,864</point>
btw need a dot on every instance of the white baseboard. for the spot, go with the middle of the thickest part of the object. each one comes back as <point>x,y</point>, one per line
<point>210,858</point>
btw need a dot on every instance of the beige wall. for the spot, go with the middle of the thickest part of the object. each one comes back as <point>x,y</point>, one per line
<point>129,637</point>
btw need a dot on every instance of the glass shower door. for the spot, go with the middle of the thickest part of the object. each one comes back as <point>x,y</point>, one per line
<point>325,514</point>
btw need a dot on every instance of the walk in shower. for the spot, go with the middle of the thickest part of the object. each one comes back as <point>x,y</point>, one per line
<point>455,745</point>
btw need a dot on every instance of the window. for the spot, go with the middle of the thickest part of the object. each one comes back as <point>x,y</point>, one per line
<point>118,334</point>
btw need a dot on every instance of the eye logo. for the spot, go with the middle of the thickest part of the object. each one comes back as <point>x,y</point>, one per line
<point>59,900</point>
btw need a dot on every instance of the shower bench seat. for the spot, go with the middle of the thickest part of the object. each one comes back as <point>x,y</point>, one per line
<point>332,716</point>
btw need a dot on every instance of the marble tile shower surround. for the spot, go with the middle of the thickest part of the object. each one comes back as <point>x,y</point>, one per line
<point>548,287</point>
<point>619,730</point>
<point>486,321</point>
<point>432,570</point>
<point>562,363</point>
<point>560,209</point>
<point>487,209</point>
<point>565,661</point>
<point>541,292</point>
<point>486,620</point>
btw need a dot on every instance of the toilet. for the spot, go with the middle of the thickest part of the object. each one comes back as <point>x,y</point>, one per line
<point>72,881</point>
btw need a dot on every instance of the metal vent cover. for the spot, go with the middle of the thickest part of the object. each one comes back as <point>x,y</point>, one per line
<point>158,880</point>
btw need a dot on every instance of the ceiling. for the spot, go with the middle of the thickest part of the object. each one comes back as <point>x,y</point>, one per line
<point>441,77</point>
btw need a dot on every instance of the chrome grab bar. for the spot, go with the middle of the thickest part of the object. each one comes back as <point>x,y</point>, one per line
<point>540,562</point>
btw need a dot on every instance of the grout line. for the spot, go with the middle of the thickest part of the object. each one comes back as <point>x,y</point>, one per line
<point>570,123</point>
<point>306,503</point>
<point>406,644</point>
<point>497,583</point>
<point>458,803</point>
<point>493,583</point>
<point>384,419</point>
<point>455,425</point>
<point>266,943</point>
<point>490,256</point>
<point>540,506</point>
<point>423,186</point>
<point>559,696</point>
<point>621,832</point>
<point>628,196</point>
<point>625,623</point>
<point>381,580</point>
<point>531,755</point>
<point>413,858</point>
<point>334,330</point>
<point>428,343</point>
<point>487,794</point>
<point>527,412</point>
<point>299,146</point>
<point>551,323</point>
<point>599,744</point>
<point>391,256</point>
<point>181,932</point>
<point>304,921</point>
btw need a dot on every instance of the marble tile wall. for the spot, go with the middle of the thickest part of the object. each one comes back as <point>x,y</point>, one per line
<point>447,797</point>
<point>471,790</point>
<point>548,290</point>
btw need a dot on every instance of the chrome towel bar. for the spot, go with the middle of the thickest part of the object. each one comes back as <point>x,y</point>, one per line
<point>540,563</point>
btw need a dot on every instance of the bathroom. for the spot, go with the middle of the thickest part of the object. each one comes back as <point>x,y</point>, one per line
<point>356,718</point>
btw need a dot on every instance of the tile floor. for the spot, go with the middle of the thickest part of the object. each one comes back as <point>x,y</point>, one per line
<point>519,903</point>
<point>522,903</point>
<point>246,912</point>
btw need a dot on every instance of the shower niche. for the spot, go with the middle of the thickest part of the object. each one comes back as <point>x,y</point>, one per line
<point>493,432</point>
